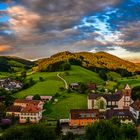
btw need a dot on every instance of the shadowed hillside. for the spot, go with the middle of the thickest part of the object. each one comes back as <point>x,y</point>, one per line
<point>14,64</point>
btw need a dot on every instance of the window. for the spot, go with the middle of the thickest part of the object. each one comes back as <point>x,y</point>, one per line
<point>109,102</point>
<point>113,103</point>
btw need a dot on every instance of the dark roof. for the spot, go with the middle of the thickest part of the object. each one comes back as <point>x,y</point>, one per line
<point>84,113</point>
<point>136,105</point>
<point>119,113</point>
<point>14,109</point>
<point>109,97</point>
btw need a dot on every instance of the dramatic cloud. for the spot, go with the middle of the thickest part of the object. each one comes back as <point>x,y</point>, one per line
<point>40,28</point>
<point>22,21</point>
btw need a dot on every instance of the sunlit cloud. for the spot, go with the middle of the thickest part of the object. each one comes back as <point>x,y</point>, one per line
<point>4,48</point>
<point>40,28</point>
<point>21,20</point>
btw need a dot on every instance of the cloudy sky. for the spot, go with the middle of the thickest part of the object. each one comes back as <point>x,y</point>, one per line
<point>39,28</point>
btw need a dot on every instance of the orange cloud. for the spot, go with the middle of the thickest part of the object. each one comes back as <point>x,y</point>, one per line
<point>4,48</point>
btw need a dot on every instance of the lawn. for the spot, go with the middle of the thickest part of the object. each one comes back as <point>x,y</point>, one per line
<point>65,103</point>
<point>49,86</point>
<point>52,83</point>
<point>79,74</point>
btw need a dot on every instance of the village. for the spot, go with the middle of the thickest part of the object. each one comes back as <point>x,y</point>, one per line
<point>99,107</point>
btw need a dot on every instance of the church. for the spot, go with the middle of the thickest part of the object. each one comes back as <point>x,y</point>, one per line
<point>120,100</point>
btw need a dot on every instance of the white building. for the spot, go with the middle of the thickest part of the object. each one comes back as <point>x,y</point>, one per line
<point>119,100</point>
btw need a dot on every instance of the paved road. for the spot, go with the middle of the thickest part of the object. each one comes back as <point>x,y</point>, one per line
<point>65,82</point>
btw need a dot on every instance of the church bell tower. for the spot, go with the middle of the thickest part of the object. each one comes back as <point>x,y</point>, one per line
<point>127,96</point>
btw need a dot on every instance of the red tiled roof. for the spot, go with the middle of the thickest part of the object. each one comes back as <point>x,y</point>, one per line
<point>31,109</point>
<point>84,113</point>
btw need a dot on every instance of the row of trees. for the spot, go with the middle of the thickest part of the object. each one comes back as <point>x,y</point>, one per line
<point>102,130</point>
<point>30,132</point>
<point>58,66</point>
<point>111,130</point>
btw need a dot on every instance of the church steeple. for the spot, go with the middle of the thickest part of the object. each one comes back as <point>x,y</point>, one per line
<point>127,90</point>
<point>127,96</point>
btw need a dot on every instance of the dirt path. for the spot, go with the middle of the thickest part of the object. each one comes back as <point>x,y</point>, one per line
<point>65,82</point>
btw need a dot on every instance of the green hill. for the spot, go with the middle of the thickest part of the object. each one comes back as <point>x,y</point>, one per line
<point>52,83</point>
<point>14,64</point>
<point>92,61</point>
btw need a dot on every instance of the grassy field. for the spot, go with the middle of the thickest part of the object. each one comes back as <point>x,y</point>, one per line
<point>79,74</point>
<point>52,83</point>
<point>66,102</point>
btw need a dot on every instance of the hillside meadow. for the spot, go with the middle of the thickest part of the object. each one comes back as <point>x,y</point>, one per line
<point>52,83</point>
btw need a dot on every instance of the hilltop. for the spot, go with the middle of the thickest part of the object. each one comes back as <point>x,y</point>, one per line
<point>92,61</point>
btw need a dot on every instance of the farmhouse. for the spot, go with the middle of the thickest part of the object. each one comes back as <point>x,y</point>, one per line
<point>74,86</point>
<point>26,110</point>
<point>30,113</point>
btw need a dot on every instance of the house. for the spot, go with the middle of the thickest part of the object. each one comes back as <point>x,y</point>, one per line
<point>26,110</point>
<point>83,117</point>
<point>135,109</point>
<point>119,100</point>
<point>124,115</point>
<point>74,86</point>
<point>31,113</point>
<point>43,98</point>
